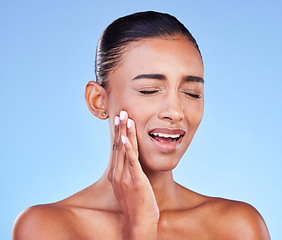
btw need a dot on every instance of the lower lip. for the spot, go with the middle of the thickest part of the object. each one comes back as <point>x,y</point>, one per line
<point>167,147</point>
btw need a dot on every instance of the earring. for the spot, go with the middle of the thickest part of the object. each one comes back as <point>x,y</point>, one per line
<point>104,114</point>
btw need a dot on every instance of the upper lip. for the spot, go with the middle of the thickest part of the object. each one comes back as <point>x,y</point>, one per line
<point>167,131</point>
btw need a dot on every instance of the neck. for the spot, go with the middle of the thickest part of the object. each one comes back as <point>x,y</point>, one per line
<point>165,189</point>
<point>163,185</point>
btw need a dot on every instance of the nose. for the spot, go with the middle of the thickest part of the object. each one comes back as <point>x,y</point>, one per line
<point>171,109</point>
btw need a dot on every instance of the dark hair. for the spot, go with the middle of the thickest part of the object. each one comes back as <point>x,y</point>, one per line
<point>132,28</point>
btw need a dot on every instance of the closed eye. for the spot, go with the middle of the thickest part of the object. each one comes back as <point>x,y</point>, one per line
<point>196,96</point>
<point>148,92</point>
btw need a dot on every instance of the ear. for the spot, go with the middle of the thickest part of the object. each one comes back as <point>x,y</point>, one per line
<point>95,97</point>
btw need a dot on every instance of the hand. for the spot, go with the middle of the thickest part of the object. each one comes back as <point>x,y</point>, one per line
<point>130,184</point>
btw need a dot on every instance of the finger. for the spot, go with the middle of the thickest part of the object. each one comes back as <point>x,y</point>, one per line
<point>131,133</point>
<point>118,168</point>
<point>135,168</point>
<point>114,147</point>
<point>126,179</point>
<point>123,122</point>
<point>119,163</point>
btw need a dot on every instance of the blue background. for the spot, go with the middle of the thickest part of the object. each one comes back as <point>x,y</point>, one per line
<point>51,146</point>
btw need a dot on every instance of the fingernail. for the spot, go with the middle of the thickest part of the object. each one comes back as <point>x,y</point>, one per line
<point>116,120</point>
<point>122,115</point>
<point>123,139</point>
<point>129,123</point>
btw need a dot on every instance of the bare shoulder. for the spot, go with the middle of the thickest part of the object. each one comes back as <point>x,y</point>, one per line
<point>80,216</point>
<point>236,220</point>
<point>41,222</point>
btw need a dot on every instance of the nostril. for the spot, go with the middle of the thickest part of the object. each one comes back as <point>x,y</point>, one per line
<point>173,117</point>
<point>167,118</point>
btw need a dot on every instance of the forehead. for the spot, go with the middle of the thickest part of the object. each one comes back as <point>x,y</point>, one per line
<point>167,56</point>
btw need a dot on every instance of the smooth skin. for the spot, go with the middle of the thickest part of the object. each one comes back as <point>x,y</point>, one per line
<point>152,89</point>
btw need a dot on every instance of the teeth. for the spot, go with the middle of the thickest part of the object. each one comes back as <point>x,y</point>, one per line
<point>166,135</point>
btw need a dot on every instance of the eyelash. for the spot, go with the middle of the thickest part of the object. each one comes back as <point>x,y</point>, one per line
<point>145,92</point>
<point>148,92</point>
<point>196,96</point>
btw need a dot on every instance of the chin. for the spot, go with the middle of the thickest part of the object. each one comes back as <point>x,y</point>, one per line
<point>159,163</point>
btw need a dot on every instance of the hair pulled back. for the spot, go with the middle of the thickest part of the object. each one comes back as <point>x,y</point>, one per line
<point>132,28</point>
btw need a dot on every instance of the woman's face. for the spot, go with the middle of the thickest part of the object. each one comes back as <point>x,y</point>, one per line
<point>159,82</point>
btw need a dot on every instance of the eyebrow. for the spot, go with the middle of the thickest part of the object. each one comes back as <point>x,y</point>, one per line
<point>194,79</point>
<point>157,76</point>
<point>151,76</point>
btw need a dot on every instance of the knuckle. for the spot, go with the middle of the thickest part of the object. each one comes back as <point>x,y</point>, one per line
<point>115,179</point>
<point>125,182</point>
<point>114,146</point>
<point>137,185</point>
<point>119,145</point>
<point>131,162</point>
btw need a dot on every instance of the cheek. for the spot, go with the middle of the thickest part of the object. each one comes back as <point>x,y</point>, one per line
<point>194,115</point>
<point>141,114</point>
<point>138,109</point>
<point>117,101</point>
<point>138,116</point>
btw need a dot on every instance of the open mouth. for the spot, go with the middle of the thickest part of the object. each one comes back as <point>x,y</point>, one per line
<point>166,140</point>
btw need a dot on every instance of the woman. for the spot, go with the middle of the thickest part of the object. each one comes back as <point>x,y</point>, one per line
<point>150,86</point>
